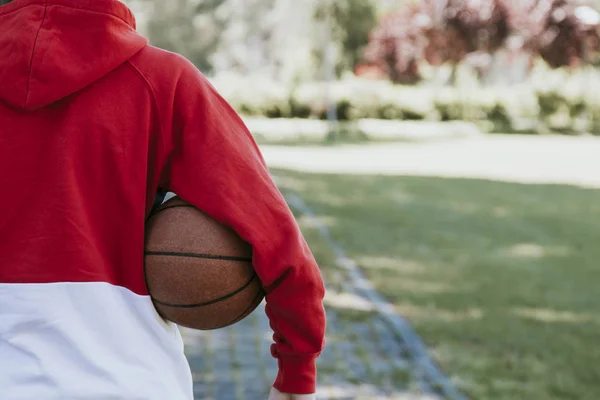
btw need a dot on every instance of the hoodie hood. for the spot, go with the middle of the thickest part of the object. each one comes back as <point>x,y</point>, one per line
<point>50,49</point>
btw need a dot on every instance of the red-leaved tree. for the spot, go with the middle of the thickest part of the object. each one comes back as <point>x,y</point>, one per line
<point>438,32</point>
<point>562,32</point>
<point>565,33</point>
<point>459,27</point>
<point>396,45</point>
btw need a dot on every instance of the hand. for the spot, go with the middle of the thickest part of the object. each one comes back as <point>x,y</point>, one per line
<point>277,395</point>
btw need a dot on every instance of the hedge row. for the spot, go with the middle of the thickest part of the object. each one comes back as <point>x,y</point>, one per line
<point>565,103</point>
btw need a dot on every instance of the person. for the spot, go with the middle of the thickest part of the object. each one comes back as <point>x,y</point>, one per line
<point>93,123</point>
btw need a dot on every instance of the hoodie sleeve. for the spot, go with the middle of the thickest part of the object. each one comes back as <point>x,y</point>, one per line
<point>216,166</point>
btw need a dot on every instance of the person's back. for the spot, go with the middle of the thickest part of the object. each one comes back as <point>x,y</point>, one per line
<point>93,122</point>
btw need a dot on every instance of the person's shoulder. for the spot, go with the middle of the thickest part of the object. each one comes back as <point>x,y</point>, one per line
<point>164,69</point>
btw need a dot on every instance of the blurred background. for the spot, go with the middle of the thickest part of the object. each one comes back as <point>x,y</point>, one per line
<point>442,158</point>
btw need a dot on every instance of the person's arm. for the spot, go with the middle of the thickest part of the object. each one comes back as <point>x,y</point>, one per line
<point>215,165</point>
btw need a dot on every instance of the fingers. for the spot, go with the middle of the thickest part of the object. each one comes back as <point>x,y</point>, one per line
<point>277,395</point>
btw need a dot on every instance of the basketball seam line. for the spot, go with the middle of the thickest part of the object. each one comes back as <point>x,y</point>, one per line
<point>210,302</point>
<point>198,255</point>
<point>247,311</point>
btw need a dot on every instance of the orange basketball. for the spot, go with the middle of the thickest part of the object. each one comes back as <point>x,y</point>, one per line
<point>199,273</point>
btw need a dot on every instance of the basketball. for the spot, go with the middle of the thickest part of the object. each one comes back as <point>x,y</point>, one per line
<point>199,273</point>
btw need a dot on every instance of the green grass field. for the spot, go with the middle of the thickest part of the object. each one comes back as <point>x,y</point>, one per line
<point>500,280</point>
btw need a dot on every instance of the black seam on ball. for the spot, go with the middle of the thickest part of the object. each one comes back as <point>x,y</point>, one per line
<point>198,255</point>
<point>210,302</point>
<point>253,305</point>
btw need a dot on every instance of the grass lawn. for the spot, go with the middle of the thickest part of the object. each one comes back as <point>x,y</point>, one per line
<point>501,280</point>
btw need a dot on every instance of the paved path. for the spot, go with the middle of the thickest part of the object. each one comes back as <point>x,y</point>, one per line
<point>527,159</point>
<point>363,360</point>
<point>368,355</point>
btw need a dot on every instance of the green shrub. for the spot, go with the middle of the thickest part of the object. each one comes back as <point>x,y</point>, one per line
<point>558,101</point>
<point>550,101</point>
<point>415,103</point>
<point>592,110</point>
<point>464,104</point>
<point>255,96</point>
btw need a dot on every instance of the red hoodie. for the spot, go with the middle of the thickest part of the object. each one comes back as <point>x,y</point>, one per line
<point>93,122</point>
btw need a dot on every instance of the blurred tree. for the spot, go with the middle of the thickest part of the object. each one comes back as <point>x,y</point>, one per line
<point>470,31</point>
<point>458,27</point>
<point>245,39</point>
<point>350,22</point>
<point>437,32</point>
<point>397,45</point>
<point>280,38</point>
<point>563,32</point>
<point>189,27</point>
<point>266,37</point>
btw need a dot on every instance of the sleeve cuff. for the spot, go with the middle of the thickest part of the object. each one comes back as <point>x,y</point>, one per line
<point>297,376</point>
